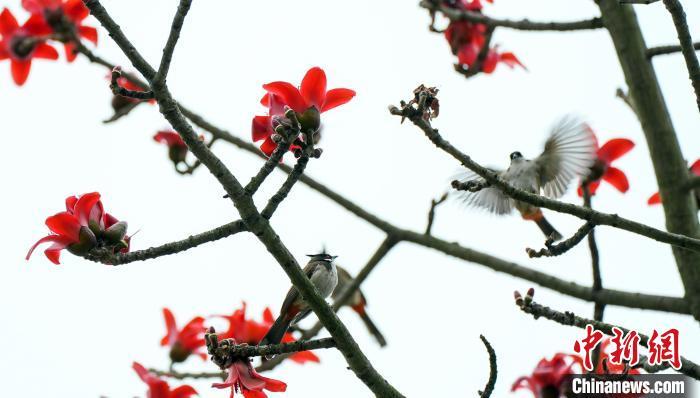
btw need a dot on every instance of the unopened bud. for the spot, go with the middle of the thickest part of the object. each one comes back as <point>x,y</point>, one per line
<point>87,241</point>
<point>116,233</point>
<point>277,138</point>
<point>317,152</point>
<point>518,298</point>
<point>529,296</point>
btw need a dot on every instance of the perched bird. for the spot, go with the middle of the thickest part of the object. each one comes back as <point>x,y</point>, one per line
<point>568,153</point>
<point>323,274</point>
<point>358,303</point>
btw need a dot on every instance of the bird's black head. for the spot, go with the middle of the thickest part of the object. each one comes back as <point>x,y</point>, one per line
<point>516,155</point>
<point>322,256</point>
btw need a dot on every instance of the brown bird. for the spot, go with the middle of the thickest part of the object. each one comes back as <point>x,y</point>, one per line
<point>358,303</point>
<point>323,274</point>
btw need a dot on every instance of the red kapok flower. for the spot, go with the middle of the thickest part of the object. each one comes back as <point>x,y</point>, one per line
<point>655,199</point>
<point>83,226</point>
<point>186,341</point>
<point>244,379</point>
<point>467,38</point>
<point>65,17</point>
<point>308,102</point>
<point>159,388</point>
<point>602,169</point>
<point>549,375</point>
<point>252,332</point>
<point>21,44</point>
<point>177,149</point>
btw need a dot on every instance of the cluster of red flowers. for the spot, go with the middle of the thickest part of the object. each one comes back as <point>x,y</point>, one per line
<point>50,20</point>
<point>467,39</point>
<point>83,227</point>
<point>308,102</point>
<point>242,377</point>
<point>550,375</point>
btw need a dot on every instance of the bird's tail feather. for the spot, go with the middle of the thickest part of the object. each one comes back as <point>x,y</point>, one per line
<point>372,328</point>
<point>548,229</point>
<point>277,331</point>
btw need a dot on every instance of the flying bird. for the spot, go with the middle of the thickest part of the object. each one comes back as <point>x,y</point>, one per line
<point>568,154</point>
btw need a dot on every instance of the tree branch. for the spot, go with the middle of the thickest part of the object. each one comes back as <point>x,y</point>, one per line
<point>670,166</point>
<point>168,248</point>
<point>686,42</point>
<point>568,318</point>
<point>119,90</point>
<point>463,15</point>
<point>178,21</point>
<point>431,213</point>
<point>188,375</point>
<point>493,366</point>
<point>256,224</point>
<point>664,50</point>
<point>558,249</point>
<point>286,187</point>
<point>595,217</point>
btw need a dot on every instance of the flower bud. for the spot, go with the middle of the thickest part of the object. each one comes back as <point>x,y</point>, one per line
<point>116,233</point>
<point>87,241</point>
<point>310,120</point>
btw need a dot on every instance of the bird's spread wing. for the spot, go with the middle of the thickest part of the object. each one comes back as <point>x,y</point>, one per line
<point>568,153</point>
<point>489,198</point>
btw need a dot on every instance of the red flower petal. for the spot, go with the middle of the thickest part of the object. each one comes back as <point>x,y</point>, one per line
<point>265,100</point>
<point>614,148</point>
<point>654,199</point>
<point>4,54</point>
<point>141,371</point>
<point>88,32</point>
<point>593,187</point>
<point>617,178</point>
<point>695,168</point>
<point>69,49</point>
<point>70,203</point>
<point>268,146</point>
<point>37,26</point>
<point>76,10</point>
<point>337,97</point>
<point>53,252</point>
<point>289,94</point>
<point>267,316</point>
<point>305,356</point>
<point>511,60</point>
<point>20,70</point>
<point>65,224</point>
<point>261,128</point>
<point>84,206</point>
<point>170,327</point>
<point>184,391</point>
<point>8,23</point>
<point>45,51</point>
<point>313,87</point>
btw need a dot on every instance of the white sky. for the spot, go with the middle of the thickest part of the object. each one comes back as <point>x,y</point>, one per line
<point>74,330</point>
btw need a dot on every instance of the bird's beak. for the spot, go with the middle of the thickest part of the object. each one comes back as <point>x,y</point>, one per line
<point>334,257</point>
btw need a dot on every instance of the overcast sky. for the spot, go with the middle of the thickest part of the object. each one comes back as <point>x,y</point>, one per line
<point>73,330</point>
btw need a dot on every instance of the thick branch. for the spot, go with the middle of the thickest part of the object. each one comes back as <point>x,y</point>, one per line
<point>493,366</point>
<point>568,318</point>
<point>463,15</point>
<point>669,164</point>
<point>664,50</point>
<point>224,351</point>
<point>686,43</point>
<point>595,217</point>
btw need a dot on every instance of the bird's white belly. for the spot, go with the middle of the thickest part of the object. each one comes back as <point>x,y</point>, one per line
<point>325,281</point>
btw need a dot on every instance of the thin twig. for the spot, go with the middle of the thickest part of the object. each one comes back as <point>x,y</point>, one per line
<point>568,318</point>
<point>168,248</point>
<point>431,213</point>
<point>286,187</point>
<point>686,42</point>
<point>119,90</point>
<point>595,217</point>
<point>619,93</point>
<point>598,307</point>
<point>671,49</point>
<point>551,249</point>
<point>464,15</point>
<point>188,375</point>
<point>493,366</point>
<point>178,21</point>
